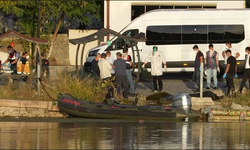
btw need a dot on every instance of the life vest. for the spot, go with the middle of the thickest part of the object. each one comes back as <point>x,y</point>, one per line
<point>26,70</point>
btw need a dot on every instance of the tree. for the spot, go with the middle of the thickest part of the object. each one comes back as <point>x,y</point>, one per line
<point>51,15</point>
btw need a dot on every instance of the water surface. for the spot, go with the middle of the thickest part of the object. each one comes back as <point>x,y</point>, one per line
<point>42,133</point>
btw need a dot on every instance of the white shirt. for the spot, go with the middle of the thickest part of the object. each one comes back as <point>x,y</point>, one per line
<point>233,52</point>
<point>111,61</point>
<point>247,62</point>
<point>105,68</point>
<point>157,59</point>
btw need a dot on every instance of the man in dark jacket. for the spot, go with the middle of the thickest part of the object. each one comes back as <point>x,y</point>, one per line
<point>246,71</point>
<point>120,75</point>
<point>199,58</point>
<point>94,65</point>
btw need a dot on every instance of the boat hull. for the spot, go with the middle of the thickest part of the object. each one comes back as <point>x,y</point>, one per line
<point>79,108</point>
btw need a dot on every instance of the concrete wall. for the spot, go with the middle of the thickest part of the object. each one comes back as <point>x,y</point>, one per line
<point>72,48</point>
<point>28,108</point>
<point>120,11</point>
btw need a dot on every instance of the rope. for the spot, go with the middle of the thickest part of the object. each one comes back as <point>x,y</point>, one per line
<point>46,90</point>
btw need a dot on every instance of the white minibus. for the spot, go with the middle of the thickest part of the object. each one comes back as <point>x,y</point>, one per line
<point>175,32</point>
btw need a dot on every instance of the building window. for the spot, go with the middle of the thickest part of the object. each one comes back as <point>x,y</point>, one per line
<point>137,11</point>
<point>180,7</point>
<point>149,8</point>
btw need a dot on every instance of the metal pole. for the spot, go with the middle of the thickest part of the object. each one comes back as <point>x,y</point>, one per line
<point>201,80</point>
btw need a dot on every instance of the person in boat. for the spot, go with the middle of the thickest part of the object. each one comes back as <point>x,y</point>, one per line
<point>94,65</point>
<point>157,59</point>
<point>12,59</point>
<point>105,68</point>
<point>121,80</point>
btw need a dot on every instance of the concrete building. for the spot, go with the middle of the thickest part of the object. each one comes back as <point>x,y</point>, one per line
<point>118,14</point>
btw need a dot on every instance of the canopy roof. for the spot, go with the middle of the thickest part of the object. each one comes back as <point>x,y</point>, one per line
<point>104,32</point>
<point>24,37</point>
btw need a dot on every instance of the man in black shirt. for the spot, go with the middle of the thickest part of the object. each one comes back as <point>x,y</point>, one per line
<point>199,58</point>
<point>94,65</point>
<point>120,75</point>
<point>230,72</point>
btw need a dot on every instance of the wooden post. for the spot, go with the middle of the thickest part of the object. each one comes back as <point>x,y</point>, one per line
<point>38,65</point>
<point>82,68</point>
<point>201,80</point>
<point>77,52</point>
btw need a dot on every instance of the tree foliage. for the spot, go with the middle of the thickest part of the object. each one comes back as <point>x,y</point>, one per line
<point>52,14</point>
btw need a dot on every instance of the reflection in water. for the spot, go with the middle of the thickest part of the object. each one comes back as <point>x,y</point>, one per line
<point>116,134</point>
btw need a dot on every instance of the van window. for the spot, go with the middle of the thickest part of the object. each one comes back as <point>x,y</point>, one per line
<point>119,42</point>
<point>161,35</point>
<point>225,33</point>
<point>194,34</point>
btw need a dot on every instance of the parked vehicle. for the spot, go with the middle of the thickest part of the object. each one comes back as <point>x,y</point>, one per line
<point>175,32</point>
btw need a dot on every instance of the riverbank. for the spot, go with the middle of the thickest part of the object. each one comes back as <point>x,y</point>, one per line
<point>173,84</point>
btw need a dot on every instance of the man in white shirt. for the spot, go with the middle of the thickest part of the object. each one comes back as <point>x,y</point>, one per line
<point>247,70</point>
<point>235,53</point>
<point>105,67</point>
<point>111,60</point>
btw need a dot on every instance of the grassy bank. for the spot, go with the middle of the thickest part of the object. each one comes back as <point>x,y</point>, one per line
<point>87,88</point>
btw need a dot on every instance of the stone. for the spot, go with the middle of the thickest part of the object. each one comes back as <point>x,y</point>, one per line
<point>238,106</point>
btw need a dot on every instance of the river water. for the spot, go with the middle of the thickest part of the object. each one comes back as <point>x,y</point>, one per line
<point>73,133</point>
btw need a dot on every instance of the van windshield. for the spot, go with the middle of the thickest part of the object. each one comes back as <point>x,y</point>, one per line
<point>119,43</point>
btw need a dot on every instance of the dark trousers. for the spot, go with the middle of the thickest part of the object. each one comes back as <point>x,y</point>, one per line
<point>230,83</point>
<point>244,80</point>
<point>196,77</point>
<point>159,79</point>
<point>225,67</point>
<point>122,82</point>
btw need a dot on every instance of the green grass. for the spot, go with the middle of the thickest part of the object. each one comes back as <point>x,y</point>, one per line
<point>87,89</point>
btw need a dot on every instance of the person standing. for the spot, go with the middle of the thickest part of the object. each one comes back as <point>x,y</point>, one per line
<point>246,74</point>
<point>157,59</point>
<point>111,60</point>
<point>129,63</point>
<point>23,68</point>
<point>94,65</point>
<point>12,59</point>
<point>105,68</point>
<point>120,75</point>
<point>212,66</point>
<point>199,58</point>
<point>234,53</point>
<point>230,72</point>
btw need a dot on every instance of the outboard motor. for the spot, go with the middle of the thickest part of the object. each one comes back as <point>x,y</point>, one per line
<point>110,99</point>
<point>183,102</point>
